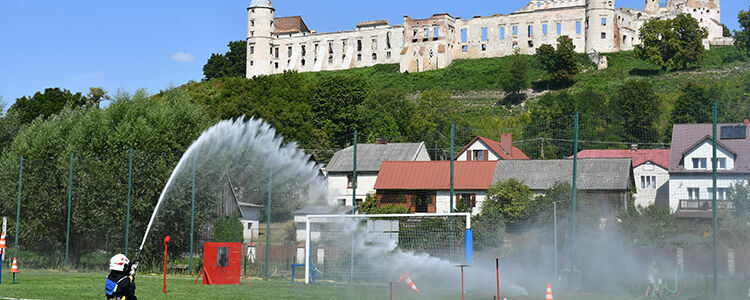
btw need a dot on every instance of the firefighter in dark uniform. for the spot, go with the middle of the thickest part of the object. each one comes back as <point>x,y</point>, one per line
<point>120,281</point>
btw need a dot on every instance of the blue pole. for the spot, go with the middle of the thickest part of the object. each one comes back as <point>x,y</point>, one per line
<point>469,246</point>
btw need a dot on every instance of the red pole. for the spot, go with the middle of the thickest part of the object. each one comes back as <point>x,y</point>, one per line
<point>497,276</point>
<point>164,287</point>
<point>462,282</point>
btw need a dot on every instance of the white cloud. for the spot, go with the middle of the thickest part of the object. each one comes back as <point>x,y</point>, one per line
<point>183,57</point>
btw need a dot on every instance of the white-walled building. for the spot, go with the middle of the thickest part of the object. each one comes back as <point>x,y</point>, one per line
<point>650,171</point>
<point>369,158</point>
<point>484,149</point>
<point>690,167</point>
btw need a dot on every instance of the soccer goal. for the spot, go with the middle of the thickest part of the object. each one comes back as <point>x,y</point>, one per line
<point>368,248</point>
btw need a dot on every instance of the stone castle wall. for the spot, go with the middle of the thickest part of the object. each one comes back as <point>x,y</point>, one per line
<point>433,43</point>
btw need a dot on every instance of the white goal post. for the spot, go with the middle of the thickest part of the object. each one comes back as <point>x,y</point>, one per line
<point>308,229</point>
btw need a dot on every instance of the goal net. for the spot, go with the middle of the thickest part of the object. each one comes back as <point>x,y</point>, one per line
<point>377,248</point>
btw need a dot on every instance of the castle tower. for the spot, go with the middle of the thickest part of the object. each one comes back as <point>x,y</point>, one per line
<point>651,7</point>
<point>600,26</point>
<point>260,27</point>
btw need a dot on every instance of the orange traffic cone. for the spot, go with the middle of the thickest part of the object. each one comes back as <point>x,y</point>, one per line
<point>549,293</point>
<point>14,266</point>
<point>2,240</point>
<point>405,279</point>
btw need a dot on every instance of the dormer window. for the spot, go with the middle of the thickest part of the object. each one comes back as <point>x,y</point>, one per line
<point>478,155</point>
<point>721,163</point>
<point>699,163</point>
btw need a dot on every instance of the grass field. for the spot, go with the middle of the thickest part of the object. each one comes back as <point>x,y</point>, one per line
<point>58,285</point>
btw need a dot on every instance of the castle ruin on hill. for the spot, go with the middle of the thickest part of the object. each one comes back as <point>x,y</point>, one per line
<point>276,44</point>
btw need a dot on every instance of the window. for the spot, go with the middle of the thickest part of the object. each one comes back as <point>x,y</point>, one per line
<point>484,33</point>
<point>388,55</point>
<point>426,33</point>
<point>464,36</point>
<point>464,48</point>
<point>388,40</point>
<point>604,21</point>
<point>721,163</point>
<point>359,57</point>
<point>604,35</point>
<point>544,28</point>
<point>515,31</point>
<point>251,63</point>
<point>358,202</point>
<point>374,56</point>
<point>359,45</point>
<point>303,62</point>
<point>437,32</point>
<point>276,65</point>
<point>470,200</point>
<point>374,45</point>
<point>250,225</point>
<point>304,50</point>
<point>721,193</point>
<point>252,23</point>
<point>531,30</point>
<point>349,181</point>
<point>252,48</point>
<point>502,33</point>
<point>478,155</point>
<point>694,194</point>
<point>289,51</point>
<point>699,163</point>
<point>484,47</point>
<point>559,28</point>
<point>342,202</point>
<point>222,256</point>
<point>578,27</point>
<point>648,182</point>
<point>733,132</point>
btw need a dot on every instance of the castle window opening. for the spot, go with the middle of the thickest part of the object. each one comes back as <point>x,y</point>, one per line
<point>359,45</point>
<point>604,21</point>
<point>289,51</point>
<point>531,44</point>
<point>436,31</point>
<point>515,31</point>
<point>252,48</point>
<point>502,33</point>
<point>604,35</point>
<point>374,56</point>
<point>465,48</point>
<point>426,34</point>
<point>343,45</point>
<point>578,27</point>
<point>464,36</point>
<point>330,47</point>
<point>544,29</point>
<point>276,52</point>
<point>662,3</point>
<point>303,61</point>
<point>251,63</point>
<point>252,23</point>
<point>484,33</point>
<point>359,57</point>
<point>374,44</point>
<point>252,33</point>
<point>388,55</point>
<point>484,47</point>
<point>388,40</point>
<point>304,50</point>
<point>414,38</point>
<point>276,65</point>
<point>559,28</point>
<point>531,30</point>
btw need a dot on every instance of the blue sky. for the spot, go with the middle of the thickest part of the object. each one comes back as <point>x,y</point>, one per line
<point>154,44</point>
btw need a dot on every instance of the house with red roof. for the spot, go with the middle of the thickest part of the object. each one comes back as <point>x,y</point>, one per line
<point>650,171</point>
<point>424,186</point>
<point>484,149</point>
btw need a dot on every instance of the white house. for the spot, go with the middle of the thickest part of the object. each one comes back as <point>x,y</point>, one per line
<point>369,158</point>
<point>690,166</point>
<point>482,148</point>
<point>650,171</point>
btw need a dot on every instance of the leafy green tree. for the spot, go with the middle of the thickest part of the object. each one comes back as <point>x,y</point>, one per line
<point>386,114</point>
<point>693,105</point>
<point>229,64</point>
<point>45,104</point>
<point>95,96</point>
<point>511,198</point>
<point>725,32</point>
<point>228,229</point>
<point>742,37</point>
<point>370,206</point>
<point>516,77</point>
<point>335,103</point>
<point>639,110</point>
<point>561,63</point>
<point>434,114</point>
<point>647,225</point>
<point>672,43</point>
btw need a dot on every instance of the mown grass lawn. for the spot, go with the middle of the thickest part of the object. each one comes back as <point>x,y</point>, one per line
<point>71,285</point>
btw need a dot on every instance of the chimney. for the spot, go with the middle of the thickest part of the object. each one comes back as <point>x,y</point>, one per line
<point>634,147</point>
<point>506,142</point>
<point>381,141</point>
<point>747,122</point>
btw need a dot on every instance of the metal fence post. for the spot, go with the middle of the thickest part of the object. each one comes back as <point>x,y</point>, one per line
<point>354,204</point>
<point>554,232</point>
<point>70,194</point>
<point>452,192</point>
<point>713,201</point>
<point>573,193</point>
<point>268,218</point>
<point>130,190</point>
<point>192,218</point>
<point>18,205</point>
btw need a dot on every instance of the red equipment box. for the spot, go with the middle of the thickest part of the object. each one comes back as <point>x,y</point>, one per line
<point>222,263</point>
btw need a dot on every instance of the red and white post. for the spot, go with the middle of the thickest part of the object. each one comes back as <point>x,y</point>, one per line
<point>164,287</point>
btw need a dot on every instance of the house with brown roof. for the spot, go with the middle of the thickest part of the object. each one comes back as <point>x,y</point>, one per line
<point>484,149</point>
<point>690,166</point>
<point>650,171</point>
<point>424,186</point>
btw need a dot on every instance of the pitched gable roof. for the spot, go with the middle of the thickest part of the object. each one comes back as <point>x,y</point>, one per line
<point>686,137</point>
<point>593,174</point>
<point>496,148</point>
<point>659,157</point>
<point>370,156</point>
<point>435,175</point>
<point>293,24</point>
